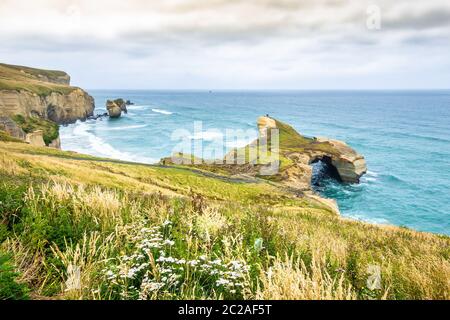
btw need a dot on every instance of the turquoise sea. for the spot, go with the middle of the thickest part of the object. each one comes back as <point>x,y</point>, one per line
<point>404,135</point>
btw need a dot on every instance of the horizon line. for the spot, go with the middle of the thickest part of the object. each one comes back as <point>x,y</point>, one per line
<point>247,89</point>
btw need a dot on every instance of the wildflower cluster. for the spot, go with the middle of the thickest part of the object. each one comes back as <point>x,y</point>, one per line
<point>153,270</point>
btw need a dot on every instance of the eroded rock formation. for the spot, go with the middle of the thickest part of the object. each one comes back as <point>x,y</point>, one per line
<point>35,138</point>
<point>10,127</point>
<point>116,107</point>
<point>60,108</point>
<point>44,93</point>
<point>349,164</point>
<point>292,162</point>
<point>303,151</point>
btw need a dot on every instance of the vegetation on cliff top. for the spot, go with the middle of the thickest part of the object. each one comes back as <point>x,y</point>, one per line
<point>77,226</point>
<point>13,78</point>
<point>31,124</point>
<point>35,72</point>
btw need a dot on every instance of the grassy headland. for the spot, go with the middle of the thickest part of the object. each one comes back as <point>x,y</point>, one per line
<point>24,78</point>
<point>82,227</point>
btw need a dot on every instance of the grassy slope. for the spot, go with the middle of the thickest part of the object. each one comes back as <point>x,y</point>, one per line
<point>62,210</point>
<point>11,78</point>
<point>4,136</point>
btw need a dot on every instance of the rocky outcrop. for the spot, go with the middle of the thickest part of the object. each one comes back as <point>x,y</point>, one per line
<point>349,164</point>
<point>303,152</point>
<point>55,143</point>
<point>288,163</point>
<point>35,138</point>
<point>60,108</point>
<point>10,127</point>
<point>34,101</point>
<point>264,125</point>
<point>47,94</point>
<point>116,107</point>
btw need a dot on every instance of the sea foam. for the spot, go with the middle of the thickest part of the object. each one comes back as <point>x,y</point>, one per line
<point>162,111</point>
<point>99,147</point>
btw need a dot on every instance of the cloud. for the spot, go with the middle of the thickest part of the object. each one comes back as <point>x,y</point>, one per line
<point>243,43</point>
<point>428,15</point>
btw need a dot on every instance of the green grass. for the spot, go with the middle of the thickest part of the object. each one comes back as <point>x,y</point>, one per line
<point>289,137</point>
<point>35,71</point>
<point>11,78</point>
<point>169,232</point>
<point>4,136</point>
<point>31,124</point>
<point>9,288</point>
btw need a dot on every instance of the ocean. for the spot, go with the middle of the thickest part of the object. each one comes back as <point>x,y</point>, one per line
<point>404,136</point>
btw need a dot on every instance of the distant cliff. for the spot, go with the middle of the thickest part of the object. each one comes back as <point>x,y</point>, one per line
<point>46,94</point>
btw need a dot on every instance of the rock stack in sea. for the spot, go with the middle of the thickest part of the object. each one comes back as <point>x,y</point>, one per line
<point>116,107</point>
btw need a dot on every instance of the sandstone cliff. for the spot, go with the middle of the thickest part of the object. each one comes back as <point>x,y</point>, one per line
<point>116,107</point>
<point>60,108</point>
<point>10,127</point>
<point>43,93</point>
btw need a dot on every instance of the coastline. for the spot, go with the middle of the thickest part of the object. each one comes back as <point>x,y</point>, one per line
<point>375,194</point>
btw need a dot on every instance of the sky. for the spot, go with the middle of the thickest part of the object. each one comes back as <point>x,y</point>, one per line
<point>233,44</point>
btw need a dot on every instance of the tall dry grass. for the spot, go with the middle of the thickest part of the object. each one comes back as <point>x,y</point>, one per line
<point>81,262</point>
<point>291,279</point>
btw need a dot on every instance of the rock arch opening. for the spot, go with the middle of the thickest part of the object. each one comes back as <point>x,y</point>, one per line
<point>322,170</point>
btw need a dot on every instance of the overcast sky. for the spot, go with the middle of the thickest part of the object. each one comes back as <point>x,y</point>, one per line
<point>232,44</point>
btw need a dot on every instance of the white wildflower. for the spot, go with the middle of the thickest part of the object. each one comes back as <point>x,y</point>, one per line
<point>169,242</point>
<point>222,281</point>
<point>193,263</point>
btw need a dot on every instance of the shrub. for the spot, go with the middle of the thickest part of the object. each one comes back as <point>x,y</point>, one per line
<point>31,124</point>
<point>9,287</point>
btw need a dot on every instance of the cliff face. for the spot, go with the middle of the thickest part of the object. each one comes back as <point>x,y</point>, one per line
<point>44,93</point>
<point>58,107</point>
<point>11,128</point>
